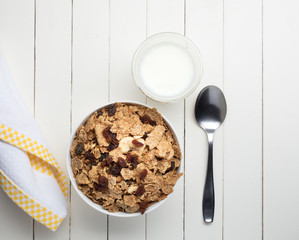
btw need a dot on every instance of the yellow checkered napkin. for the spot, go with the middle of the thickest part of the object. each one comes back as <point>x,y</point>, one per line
<point>29,174</point>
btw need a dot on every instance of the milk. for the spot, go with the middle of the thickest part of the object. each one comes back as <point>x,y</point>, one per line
<point>166,70</point>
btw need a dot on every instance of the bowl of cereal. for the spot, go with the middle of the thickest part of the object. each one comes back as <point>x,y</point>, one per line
<point>124,159</point>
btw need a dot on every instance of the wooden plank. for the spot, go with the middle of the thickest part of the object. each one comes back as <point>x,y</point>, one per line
<point>128,22</point>
<point>166,16</point>
<point>243,125</point>
<point>281,117</point>
<point>204,26</point>
<point>127,32</point>
<point>17,48</point>
<point>53,87</point>
<point>89,91</point>
<point>17,44</point>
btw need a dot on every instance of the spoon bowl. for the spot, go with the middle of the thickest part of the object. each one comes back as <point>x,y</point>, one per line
<point>210,112</point>
<point>210,108</point>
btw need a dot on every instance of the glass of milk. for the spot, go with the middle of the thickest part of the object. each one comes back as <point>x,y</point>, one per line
<point>167,67</point>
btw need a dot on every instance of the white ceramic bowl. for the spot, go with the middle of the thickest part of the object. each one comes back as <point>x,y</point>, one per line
<point>89,201</point>
<point>189,52</point>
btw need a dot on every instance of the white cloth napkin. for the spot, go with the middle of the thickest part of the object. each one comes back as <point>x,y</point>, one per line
<point>29,174</point>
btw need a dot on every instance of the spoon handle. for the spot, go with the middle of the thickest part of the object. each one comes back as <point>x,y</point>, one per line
<point>208,202</point>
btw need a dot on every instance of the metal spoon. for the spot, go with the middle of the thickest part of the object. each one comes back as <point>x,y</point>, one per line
<point>210,112</point>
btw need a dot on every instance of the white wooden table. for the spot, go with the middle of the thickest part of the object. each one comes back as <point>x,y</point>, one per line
<point>69,56</point>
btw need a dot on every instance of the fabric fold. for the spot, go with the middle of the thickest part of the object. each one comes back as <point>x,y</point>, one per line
<point>29,174</point>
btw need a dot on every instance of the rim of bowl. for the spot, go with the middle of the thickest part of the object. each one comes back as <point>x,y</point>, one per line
<point>99,207</point>
<point>195,81</point>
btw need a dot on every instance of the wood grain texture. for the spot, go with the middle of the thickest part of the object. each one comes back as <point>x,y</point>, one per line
<point>83,59</point>
<point>204,26</point>
<point>17,44</point>
<point>89,91</point>
<point>166,16</point>
<point>243,124</point>
<point>53,87</point>
<point>281,118</point>
<point>128,21</point>
<point>17,49</point>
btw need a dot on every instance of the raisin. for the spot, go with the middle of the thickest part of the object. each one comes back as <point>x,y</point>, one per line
<point>171,167</point>
<point>103,156</point>
<point>137,143</point>
<point>79,148</point>
<point>134,165</point>
<point>115,169</point>
<point>106,162</point>
<point>143,206</point>
<point>129,157</point>
<point>147,120</point>
<point>112,146</point>
<point>122,162</point>
<point>107,134</point>
<point>110,137</point>
<point>140,190</point>
<point>99,112</point>
<point>133,159</point>
<point>109,160</point>
<point>89,155</point>
<point>111,110</point>
<point>114,139</point>
<point>142,174</point>
<point>102,186</point>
